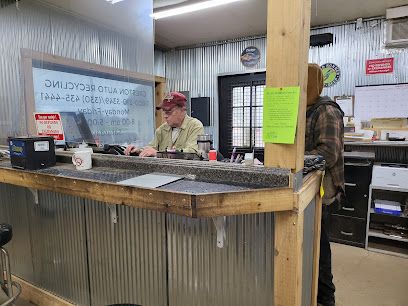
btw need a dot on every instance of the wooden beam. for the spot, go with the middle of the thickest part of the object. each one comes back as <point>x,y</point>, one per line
<point>305,195</point>
<point>160,93</point>
<point>180,203</point>
<point>37,296</point>
<point>288,258</point>
<point>316,249</point>
<point>60,60</point>
<point>159,79</point>
<point>29,101</point>
<point>248,202</point>
<point>153,199</point>
<point>287,57</point>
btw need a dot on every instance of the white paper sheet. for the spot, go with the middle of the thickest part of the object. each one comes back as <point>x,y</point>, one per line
<point>152,180</point>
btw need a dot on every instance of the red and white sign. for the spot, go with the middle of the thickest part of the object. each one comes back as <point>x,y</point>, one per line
<point>49,124</point>
<point>382,65</point>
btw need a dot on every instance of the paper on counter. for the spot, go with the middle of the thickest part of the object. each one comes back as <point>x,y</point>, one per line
<point>152,180</point>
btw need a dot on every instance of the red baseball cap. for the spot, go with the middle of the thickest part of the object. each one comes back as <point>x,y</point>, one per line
<point>171,100</point>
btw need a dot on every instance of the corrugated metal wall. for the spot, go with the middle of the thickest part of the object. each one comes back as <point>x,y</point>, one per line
<point>58,243</point>
<point>127,260</point>
<point>69,246</point>
<point>14,210</point>
<point>308,244</point>
<point>48,30</point>
<point>196,69</point>
<point>240,274</point>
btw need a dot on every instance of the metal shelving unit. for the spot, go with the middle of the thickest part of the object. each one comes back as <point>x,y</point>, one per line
<point>385,247</point>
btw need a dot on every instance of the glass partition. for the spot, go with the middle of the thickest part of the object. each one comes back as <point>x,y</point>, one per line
<point>91,61</point>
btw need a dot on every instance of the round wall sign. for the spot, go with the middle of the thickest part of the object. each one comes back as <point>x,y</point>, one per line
<point>250,56</point>
<point>331,74</point>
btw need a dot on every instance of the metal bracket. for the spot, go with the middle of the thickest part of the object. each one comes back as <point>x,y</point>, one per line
<point>35,194</point>
<point>220,223</point>
<point>113,214</point>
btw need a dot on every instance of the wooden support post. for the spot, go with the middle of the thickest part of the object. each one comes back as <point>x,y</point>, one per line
<point>287,56</point>
<point>288,258</point>
<point>316,249</point>
<point>160,92</point>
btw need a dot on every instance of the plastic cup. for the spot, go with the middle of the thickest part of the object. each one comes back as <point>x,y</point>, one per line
<point>212,155</point>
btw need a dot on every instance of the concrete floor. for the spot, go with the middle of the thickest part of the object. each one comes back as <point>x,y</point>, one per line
<point>365,278</point>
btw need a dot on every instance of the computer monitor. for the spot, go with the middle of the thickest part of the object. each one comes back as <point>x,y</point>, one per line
<point>76,128</point>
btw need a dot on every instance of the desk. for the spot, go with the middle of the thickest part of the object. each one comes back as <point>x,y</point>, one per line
<point>385,151</point>
<point>91,241</point>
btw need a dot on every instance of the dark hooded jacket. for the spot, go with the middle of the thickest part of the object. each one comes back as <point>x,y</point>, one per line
<point>324,136</point>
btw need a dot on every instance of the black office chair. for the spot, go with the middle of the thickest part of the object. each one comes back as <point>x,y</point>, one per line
<point>7,296</point>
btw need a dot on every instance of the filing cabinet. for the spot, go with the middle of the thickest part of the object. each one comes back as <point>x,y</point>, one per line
<point>348,223</point>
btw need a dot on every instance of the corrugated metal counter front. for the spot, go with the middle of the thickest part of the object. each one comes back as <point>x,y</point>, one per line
<point>70,238</point>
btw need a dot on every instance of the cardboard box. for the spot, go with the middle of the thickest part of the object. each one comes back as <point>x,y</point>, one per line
<point>389,123</point>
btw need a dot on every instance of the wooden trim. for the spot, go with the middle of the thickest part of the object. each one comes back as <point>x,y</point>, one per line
<point>248,202</point>
<point>288,33</point>
<point>55,59</point>
<point>160,200</point>
<point>29,94</point>
<point>159,79</point>
<point>288,258</point>
<point>316,249</point>
<point>39,296</point>
<point>206,205</point>
<point>160,93</point>
<point>311,185</point>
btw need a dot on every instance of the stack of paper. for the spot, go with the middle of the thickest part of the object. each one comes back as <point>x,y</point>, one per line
<point>387,207</point>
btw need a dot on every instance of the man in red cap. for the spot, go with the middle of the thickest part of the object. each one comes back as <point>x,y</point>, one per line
<point>179,132</point>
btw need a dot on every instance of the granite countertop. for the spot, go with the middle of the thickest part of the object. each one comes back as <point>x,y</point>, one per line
<point>203,171</point>
<point>199,177</point>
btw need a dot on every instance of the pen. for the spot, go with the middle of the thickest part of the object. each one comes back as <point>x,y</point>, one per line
<point>233,154</point>
<point>238,159</point>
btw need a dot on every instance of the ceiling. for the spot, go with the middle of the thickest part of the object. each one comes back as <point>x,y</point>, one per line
<point>239,19</point>
<point>248,18</point>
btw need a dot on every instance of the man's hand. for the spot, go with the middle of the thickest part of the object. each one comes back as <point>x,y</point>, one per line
<point>148,151</point>
<point>131,149</point>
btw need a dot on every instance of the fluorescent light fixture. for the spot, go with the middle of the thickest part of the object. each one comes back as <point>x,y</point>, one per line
<point>191,8</point>
<point>113,1</point>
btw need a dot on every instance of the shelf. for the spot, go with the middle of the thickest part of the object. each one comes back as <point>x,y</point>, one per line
<point>378,234</point>
<point>391,215</point>
<point>390,188</point>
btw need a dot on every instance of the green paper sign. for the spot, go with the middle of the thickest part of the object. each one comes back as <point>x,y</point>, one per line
<point>280,112</point>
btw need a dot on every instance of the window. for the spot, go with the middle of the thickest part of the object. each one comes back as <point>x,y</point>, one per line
<point>247,107</point>
<point>241,111</point>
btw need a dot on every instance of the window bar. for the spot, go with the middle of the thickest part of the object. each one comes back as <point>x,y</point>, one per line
<point>250,116</point>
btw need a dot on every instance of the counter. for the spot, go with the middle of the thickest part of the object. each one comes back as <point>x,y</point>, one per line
<point>85,238</point>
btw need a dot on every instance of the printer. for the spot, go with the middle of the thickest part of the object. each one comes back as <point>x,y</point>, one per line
<point>390,175</point>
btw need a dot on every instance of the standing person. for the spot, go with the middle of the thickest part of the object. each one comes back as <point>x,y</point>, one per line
<point>178,132</point>
<point>324,136</point>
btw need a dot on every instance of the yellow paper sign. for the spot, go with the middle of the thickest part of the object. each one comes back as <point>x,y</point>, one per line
<point>280,113</point>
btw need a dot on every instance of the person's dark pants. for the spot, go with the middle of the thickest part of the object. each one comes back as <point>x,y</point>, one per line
<point>326,289</point>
